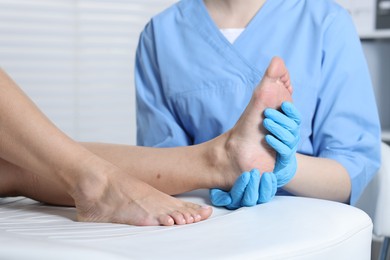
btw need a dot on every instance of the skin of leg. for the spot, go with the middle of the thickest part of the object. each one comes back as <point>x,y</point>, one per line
<point>102,192</point>
<point>10,178</point>
<point>17,181</point>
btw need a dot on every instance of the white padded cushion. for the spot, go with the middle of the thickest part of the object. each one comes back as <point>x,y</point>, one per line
<point>376,197</point>
<point>286,228</point>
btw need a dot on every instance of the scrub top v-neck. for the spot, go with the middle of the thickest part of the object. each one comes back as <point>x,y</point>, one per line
<point>239,51</point>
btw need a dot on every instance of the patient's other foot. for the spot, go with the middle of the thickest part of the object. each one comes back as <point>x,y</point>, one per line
<point>120,199</point>
<point>133,202</point>
<point>246,146</point>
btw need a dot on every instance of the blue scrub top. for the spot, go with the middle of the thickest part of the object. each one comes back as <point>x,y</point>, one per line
<point>192,84</point>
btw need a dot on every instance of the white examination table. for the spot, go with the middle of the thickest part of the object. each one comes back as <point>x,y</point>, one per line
<point>285,228</point>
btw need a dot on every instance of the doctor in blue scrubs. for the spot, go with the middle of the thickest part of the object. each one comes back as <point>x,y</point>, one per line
<point>199,61</point>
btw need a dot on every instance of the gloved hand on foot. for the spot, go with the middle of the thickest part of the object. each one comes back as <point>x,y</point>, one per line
<point>251,189</point>
<point>283,138</point>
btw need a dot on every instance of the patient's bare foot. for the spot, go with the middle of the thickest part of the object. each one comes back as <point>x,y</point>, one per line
<point>246,146</point>
<point>134,202</point>
<point>120,198</point>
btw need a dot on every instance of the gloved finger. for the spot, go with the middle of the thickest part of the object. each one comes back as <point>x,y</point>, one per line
<point>267,188</point>
<point>280,132</point>
<point>220,198</point>
<point>281,119</point>
<point>251,194</point>
<point>284,152</point>
<point>292,112</point>
<point>238,189</point>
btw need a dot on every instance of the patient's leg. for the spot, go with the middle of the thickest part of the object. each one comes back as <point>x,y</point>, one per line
<point>167,210</point>
<point>101,191</point>
<point>9,179</point>
<point>16,181</point>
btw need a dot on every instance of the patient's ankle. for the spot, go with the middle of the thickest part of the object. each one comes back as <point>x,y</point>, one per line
<point>10,176</point>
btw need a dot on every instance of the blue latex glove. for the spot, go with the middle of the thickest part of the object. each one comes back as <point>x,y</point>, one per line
<point>284,128</point>
<point>248,190</point>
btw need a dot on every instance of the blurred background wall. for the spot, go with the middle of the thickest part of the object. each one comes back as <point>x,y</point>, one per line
<point>75,59</point>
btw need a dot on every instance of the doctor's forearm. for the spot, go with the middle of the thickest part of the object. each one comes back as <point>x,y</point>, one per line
<point>320,178</point>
